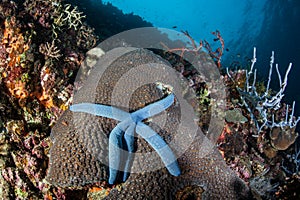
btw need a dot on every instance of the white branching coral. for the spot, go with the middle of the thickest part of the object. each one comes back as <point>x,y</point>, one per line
<point>50,50</point>
<point>265,102</point>
<point>293,165</point>
<point>70,17</point>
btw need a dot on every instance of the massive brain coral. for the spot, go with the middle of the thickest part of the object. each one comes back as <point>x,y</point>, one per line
<point>79,154</point>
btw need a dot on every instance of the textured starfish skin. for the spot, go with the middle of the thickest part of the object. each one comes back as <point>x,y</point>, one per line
<point>131,122</point>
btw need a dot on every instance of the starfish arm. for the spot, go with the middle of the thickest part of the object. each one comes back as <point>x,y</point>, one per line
<point>153,109</point>
<point>100,110</point>
<point>129,139</point>
<point>160,146</point>
<point>114,153</point>
<point>117,157</point>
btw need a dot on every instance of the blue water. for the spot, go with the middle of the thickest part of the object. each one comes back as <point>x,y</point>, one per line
<point>233,18</point>
<point>267,24</point>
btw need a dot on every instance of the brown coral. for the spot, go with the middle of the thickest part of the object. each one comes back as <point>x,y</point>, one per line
<point>80,143</point>
<point>282,138</point>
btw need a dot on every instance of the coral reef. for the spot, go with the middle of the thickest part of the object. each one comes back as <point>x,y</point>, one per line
<point>265,108</point>
<point>37,70</point>
<point>43,44</point>
<point>260,149</point>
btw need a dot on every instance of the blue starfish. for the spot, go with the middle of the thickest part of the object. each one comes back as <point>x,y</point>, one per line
<point>124,131</point>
